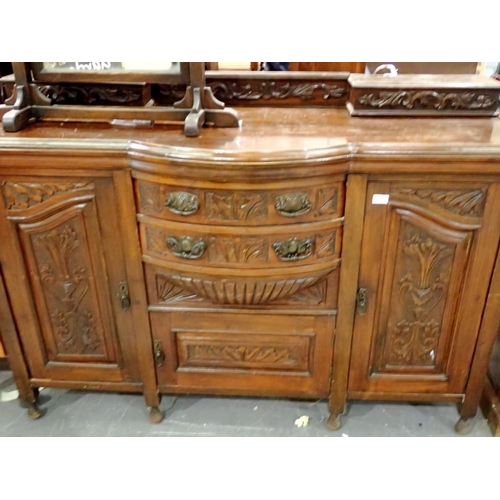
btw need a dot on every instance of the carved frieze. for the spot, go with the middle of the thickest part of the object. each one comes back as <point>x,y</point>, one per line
<point>427,99</point>
<point>22,195</point>
<point>81,94</point>
<point>275,90</point>
<point>461,202</point>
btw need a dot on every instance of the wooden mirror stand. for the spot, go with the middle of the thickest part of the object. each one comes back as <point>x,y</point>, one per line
<point>197,107</point>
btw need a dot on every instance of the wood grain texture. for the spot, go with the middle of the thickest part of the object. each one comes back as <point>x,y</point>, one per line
<point>282,213</point>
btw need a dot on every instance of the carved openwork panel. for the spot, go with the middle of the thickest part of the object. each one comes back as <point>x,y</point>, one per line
<point>420,294</point>
<point>65,288</point>
<point>243,351</point>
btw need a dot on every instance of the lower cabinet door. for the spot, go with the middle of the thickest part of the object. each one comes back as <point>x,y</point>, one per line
<point>427,255</point>
<point>254,354</point>
<point>65,265</point>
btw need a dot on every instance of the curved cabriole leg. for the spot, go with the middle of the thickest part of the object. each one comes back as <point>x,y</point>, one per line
<point>334,422</point>
<point>33,411</point>
<point>463,426</point>
<point>155,415</point>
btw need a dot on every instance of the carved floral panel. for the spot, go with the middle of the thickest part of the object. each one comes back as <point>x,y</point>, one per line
<point>64,270</point>
<point>418,298</point>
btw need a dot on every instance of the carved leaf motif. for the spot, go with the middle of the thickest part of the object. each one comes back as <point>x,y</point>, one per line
<point>312,295</point>
<point>275,90</point>
<point>76,94</point>
<point>150,198</point>
<point>236,206</point>
<point>64,280</point>
<point>245,354</point>
<point>22,195</point>
<point>325,245</point>
<point>415,343</point>
<point>326,201</point>
<point>238,250</point>
<point>168,292</point>
<point>425,99</point>
<point>425,273</point>
<point>156,240</point>
<point>226,291</point>
<point>459,202</point>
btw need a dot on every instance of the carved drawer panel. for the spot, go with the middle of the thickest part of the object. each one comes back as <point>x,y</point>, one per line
<point>169,288</point>
<point>244,353</point>
<point>250,207</point>
<point>247,248</point>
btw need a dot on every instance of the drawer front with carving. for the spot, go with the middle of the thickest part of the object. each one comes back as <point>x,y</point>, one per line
<point>253,206</point>
<point>243,354</point>
<point>421,303</point>
<point>263,247</point>
<point>169,288</point>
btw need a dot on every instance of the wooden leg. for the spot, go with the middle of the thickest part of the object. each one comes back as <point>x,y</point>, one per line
<point>490,404</point>
<point>464,426</point>
<point>334,422</point>
<point>34,412</point>
<point>155,415</point>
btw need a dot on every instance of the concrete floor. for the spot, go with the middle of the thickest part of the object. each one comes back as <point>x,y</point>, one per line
<point>78,413</point>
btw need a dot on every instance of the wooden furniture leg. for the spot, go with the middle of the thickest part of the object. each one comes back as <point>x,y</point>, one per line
<point>9,333</point>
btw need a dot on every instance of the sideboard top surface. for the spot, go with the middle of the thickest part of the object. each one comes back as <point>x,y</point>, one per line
<point>275,135</point>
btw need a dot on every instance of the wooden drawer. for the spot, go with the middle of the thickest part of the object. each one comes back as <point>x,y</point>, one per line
<point>249,206</point>
<point>311,290</point>
<point>244,248</point>
<point>229,353</point>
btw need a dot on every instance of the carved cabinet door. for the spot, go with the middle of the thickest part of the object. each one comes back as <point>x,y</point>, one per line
<point>64,264</point>
<point>426,259</point>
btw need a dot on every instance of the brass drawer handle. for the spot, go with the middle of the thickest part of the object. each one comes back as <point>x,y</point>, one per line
<point>186,247</point>
<point>181,203</point>
<point>293,204</point>
<point>293,249</point>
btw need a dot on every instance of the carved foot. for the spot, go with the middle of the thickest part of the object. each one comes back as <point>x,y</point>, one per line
<point>155,415</point>
<point>463,426</point>
<point>334,422</point>
<point>33,411</point>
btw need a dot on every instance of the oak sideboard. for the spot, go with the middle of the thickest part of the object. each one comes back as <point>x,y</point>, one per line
<point>305,254</point>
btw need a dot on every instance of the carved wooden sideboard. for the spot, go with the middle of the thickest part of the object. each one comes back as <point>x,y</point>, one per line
<point>345,258</point>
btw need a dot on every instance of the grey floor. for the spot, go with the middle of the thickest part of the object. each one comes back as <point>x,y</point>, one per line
<point>77,413</point>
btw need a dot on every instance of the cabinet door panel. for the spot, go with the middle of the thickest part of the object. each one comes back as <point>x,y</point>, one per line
<point>72,262</point>
<point>422,254</point>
